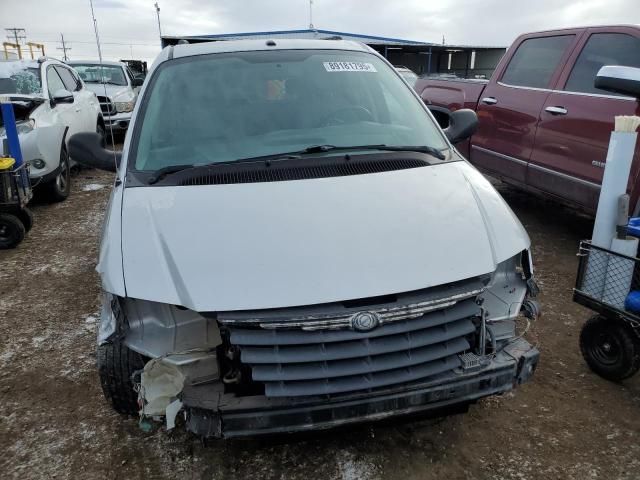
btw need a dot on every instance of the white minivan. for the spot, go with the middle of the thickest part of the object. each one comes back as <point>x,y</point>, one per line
<point>292,243</point>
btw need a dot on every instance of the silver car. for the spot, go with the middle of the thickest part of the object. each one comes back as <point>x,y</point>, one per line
<point>293,243</point>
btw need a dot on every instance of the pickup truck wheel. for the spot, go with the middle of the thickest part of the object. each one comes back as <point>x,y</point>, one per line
<point>101,131</point>
<point>12,231</point>
<point>59,188</point>
<point>116,365</point>
<point>611,348</point>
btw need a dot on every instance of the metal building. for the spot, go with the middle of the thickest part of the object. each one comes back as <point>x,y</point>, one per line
<point>424,58</point>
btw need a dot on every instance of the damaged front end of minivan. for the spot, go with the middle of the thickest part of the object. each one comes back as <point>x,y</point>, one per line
<point>245,373</point>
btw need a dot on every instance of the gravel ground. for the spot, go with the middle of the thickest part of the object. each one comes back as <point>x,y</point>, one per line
<point>54,422</point>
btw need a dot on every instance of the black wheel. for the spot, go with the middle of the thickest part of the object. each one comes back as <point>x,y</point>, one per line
<point>101,131</point>
<point>610,347</point>
<point>59,188</point>
<point>26,217</point>
<point>12,231</point>
<point>116,364</point>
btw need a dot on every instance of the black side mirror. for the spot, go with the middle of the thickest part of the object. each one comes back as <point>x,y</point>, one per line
<point>137,81</point>
<point>62,96</point>
<point>616,79</point>
<point>462,124</point>
<point>87,149</point>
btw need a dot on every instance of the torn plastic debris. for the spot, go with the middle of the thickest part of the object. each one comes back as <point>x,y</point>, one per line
<point>160,385</point>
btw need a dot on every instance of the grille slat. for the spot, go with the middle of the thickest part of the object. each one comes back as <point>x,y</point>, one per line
<point>253,337</point>
<point>290,359</point>
<point>361,382</point>
<point>357,348</point>
<point>107,107</point>
<point>358,366</point>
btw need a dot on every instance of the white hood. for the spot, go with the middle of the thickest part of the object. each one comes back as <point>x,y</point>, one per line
<point>268,245</point>
<point>113,91</point>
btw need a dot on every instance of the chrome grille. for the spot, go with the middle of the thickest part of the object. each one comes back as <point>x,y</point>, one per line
<point>301,362</point>
<point>340,320</point>
<point>106,105</point>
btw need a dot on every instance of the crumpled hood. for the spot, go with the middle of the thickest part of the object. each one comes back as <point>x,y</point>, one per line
<point>269,245</point>
<point>113,91</point>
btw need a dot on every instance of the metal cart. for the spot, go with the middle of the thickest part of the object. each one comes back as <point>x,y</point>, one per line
<point>609,284</point>
<point>15,218</point>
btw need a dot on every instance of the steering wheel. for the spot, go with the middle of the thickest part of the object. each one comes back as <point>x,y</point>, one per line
<point>345,114</point>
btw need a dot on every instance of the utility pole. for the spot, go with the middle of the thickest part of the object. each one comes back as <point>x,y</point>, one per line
<point>64,48</point>
<point>159,29</point>
<point>311,15</point>
<point>16,34</point>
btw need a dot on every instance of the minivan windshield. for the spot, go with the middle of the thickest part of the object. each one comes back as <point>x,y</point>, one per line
<point>232,106</point>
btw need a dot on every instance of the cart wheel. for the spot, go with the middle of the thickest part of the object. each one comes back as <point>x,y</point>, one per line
<point>26,217</point>
<point>12,231</point>
<point>610,348</point>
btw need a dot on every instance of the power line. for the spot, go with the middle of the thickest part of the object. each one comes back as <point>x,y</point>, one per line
<point>64,48</point>
<point>16,34</point>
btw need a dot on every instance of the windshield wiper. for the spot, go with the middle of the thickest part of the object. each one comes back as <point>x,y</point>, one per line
<point>162,172</point>
<point>389,148</point>
<point>159,174</point>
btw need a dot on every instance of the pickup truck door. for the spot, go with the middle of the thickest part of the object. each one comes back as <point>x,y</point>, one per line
<point>576,121</point>
<point>510,105</point>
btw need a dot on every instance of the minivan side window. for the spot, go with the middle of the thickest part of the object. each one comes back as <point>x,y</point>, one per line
<point>602,49</point>
<point>535,60</point>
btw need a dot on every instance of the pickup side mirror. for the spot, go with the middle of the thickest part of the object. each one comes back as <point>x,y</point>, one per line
<point>62,96</point>
<point>617,79</point>
<point>462,124</point>
<point>87,149</point>
<point>137,81</point>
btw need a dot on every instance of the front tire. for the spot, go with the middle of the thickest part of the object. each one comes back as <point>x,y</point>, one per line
<point>59,188</point>
<point>116,364</point>
<point>12,231</point>
<point>611,348</point>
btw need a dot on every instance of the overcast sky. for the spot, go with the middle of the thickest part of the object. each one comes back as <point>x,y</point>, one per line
<point>128,28</point>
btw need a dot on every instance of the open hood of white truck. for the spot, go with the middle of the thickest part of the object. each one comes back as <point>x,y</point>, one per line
<point>266,245</point>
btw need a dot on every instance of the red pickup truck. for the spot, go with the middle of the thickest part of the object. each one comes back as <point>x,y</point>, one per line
<point>543,124</point>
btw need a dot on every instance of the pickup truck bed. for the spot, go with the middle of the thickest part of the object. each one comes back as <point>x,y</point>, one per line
<point>543,125</point>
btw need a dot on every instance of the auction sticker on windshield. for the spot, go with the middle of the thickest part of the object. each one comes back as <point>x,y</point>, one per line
<point>349,67</point>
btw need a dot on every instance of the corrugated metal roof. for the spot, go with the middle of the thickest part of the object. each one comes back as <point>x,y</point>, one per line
<point>308,33</point>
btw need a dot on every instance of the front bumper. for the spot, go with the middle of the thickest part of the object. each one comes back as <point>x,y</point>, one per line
<point>117,122</point>
<point>211,413</point>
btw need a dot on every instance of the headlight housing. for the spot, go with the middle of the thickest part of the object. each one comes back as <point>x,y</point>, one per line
<point>124,107</point>
<point>506,293</point>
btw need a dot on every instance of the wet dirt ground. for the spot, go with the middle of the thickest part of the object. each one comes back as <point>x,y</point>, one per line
<point>54,423</point>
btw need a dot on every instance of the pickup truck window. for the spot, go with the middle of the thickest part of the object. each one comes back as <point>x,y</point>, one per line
<point>535,60</point>
<point>602,49</point>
